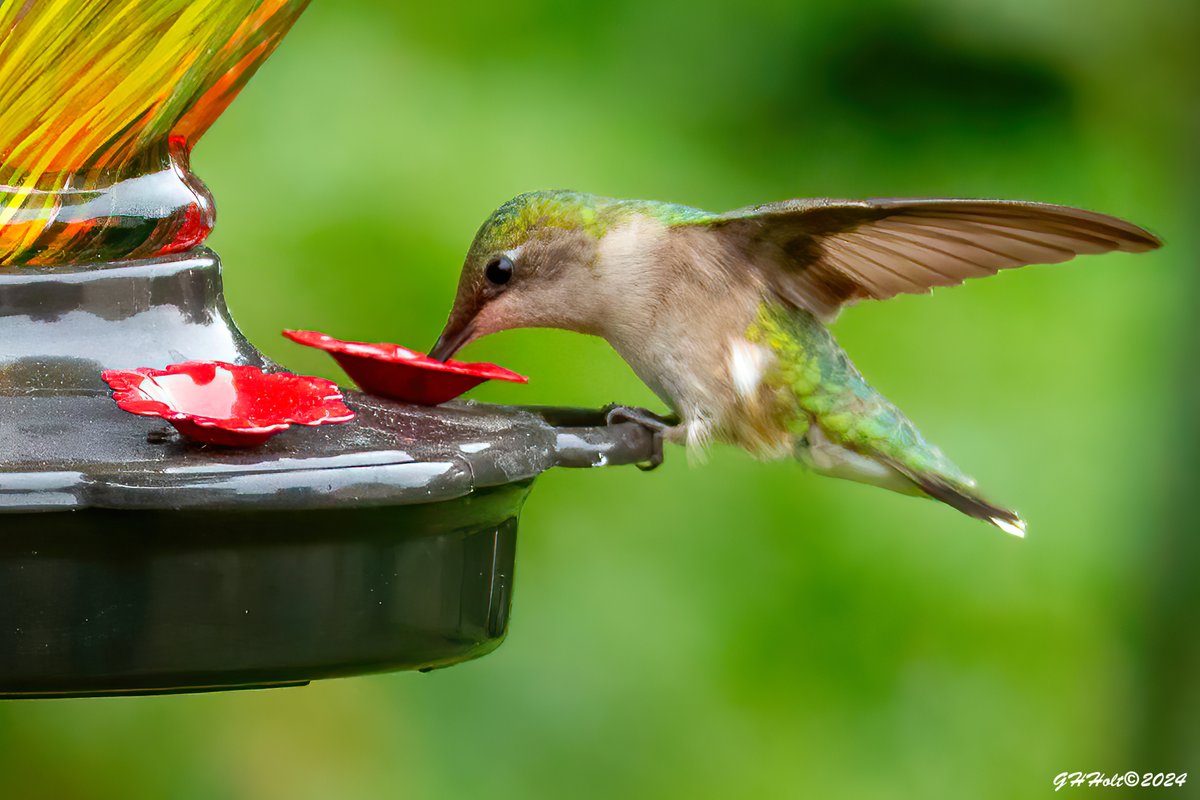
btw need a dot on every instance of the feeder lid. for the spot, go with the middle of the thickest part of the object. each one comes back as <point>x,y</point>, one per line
<point>64,444</point>
<point>73,452</point>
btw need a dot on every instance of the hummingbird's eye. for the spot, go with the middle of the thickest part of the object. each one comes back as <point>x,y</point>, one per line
<point>499,270</point>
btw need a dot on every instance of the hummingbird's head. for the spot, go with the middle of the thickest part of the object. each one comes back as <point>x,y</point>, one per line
<point>530,266</point>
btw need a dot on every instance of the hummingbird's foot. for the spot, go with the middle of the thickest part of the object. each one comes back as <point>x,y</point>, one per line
<point>657,425</point>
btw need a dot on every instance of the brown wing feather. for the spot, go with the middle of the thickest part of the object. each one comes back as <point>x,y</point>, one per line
<point>842,250</point>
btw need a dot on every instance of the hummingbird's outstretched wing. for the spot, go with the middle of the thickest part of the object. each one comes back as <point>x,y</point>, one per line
<point>839,251</point>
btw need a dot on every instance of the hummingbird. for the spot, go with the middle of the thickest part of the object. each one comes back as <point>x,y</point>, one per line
<point>724,316</point>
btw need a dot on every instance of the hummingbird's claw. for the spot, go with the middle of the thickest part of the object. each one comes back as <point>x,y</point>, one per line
<point>656,453</point>
<point>652,422</point>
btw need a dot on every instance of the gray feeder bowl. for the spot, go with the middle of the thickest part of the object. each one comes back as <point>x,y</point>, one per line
<point>133,561</point>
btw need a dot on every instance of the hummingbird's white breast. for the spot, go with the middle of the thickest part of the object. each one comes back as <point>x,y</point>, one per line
<point>679,308</point>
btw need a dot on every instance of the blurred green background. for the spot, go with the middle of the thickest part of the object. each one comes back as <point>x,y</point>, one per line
<point>738,629</point>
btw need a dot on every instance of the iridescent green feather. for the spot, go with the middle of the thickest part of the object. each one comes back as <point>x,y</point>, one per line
<point>830,389</point>
<point>511,223</point>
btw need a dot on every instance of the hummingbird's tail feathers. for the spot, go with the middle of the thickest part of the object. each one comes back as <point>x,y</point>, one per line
<point>966,500</point>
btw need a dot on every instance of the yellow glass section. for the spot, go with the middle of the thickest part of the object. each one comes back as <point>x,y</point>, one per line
<point>100,104</point>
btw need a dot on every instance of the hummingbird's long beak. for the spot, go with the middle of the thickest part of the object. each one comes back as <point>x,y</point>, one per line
<point>456,334</point>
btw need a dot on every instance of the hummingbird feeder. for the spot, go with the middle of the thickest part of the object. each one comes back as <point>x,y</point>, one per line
<point>256,546</point>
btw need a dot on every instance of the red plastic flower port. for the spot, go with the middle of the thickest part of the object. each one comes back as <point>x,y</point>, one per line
<point>389,370</point>
<point>227,404</point>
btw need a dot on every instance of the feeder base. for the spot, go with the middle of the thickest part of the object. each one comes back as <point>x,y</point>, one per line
<point>103,602</point>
